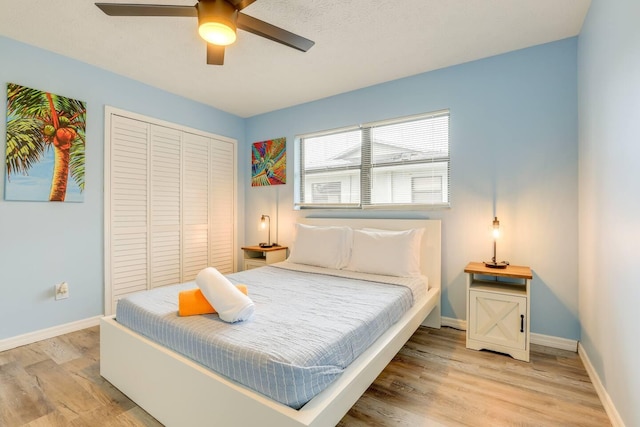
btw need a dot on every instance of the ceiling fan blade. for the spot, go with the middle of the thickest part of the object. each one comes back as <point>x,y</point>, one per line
<point>271,32</point>
<point>123,9</point>
<point>215,54</point>
<point>240,4</point>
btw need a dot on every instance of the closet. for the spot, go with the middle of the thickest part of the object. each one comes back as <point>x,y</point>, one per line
<point>170,201</point>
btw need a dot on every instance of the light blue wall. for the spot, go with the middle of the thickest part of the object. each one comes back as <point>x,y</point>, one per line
<point>513,151</point>
<point>45,243</point>
<point>513,154</point>
<point>609,147</point>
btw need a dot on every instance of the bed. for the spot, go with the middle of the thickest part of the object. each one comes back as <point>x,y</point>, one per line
<point>178,391</point>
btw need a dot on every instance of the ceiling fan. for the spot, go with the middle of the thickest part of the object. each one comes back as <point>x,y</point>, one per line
<point>217,23</point>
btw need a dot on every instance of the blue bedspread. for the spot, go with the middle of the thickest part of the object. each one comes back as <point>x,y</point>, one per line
<point>307,328</point>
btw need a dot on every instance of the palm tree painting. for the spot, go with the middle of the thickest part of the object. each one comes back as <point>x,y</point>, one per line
<point>45,146</point>
<point>269,162</point>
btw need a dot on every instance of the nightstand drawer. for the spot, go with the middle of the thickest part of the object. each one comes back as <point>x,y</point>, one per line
<point>254,263</point>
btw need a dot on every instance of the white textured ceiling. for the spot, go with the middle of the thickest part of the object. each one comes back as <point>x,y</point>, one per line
<point>359,43</point>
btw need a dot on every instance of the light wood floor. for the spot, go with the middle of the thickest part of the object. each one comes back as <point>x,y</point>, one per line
<point>434,380</point>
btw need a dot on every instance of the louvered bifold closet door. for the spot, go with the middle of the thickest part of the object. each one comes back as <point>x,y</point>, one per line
<point>195,209</point>
<point>223,196</point>
<point>165,206</point>
<point>170,197</point>
<point>127,271</point>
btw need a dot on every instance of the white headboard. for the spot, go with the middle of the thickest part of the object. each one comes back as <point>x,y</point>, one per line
<point>431,258</point>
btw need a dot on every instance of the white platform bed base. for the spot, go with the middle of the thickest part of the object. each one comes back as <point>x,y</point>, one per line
<point>180,392</point>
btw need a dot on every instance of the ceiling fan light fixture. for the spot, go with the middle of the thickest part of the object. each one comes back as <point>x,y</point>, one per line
<point>217,33</point>
<point>217,22</point>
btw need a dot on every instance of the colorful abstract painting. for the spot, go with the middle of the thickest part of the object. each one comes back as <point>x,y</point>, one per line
<point>269,162</point>
<point>45,146</point>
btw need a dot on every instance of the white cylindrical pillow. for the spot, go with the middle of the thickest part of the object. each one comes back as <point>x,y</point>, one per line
<point>231,304</point>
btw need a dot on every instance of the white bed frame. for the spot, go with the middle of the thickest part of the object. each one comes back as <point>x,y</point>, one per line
<point>180,392</point>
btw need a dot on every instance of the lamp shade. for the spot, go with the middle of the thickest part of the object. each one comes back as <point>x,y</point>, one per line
<point>217,22</point>
<point>495,229</point>
<point>495,232</point>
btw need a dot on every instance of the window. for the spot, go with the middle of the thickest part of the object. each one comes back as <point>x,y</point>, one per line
<point>400,162</point>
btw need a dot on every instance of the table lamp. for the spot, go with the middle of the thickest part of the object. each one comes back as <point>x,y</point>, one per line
<point>265,222</point>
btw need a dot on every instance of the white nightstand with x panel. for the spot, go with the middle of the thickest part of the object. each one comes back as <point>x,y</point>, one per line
<point>498,307</point>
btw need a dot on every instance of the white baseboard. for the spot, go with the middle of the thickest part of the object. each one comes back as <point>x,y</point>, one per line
<point>555,342</point>
<point>545,340</point>
<point>43,334</point>
<point>454,323</point>
<point>614,416</point>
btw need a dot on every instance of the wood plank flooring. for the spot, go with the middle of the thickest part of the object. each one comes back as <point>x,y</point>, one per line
<point>433,381</point>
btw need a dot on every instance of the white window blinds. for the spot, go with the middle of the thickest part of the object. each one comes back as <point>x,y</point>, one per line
<point>383,164</point>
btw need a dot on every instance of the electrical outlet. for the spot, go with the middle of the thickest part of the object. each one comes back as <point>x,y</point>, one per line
<point>62,290</point>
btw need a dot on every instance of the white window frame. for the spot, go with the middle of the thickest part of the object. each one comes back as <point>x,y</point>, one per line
<point>437,166</point>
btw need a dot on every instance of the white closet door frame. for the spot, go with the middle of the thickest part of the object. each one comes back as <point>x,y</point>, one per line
<point>109,113</point>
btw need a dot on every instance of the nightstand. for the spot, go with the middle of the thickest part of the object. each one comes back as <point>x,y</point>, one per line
<point>498,307</point>
<point>255,256</point>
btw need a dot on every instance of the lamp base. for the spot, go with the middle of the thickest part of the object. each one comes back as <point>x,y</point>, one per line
<point>265,245</point>
<point>493,264</point>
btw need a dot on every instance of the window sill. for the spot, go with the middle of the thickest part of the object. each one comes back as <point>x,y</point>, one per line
<point>375,208</point>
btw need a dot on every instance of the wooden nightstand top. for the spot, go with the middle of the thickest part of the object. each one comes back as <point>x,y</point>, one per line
<point>516,271</point>
<point>261,249</point>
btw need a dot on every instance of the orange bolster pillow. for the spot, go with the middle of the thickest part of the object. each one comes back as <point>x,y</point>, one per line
<point>193,302</point>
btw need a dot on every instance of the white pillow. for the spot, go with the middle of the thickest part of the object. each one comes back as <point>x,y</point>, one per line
<point>327,247</point>
<point>390,253</point>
